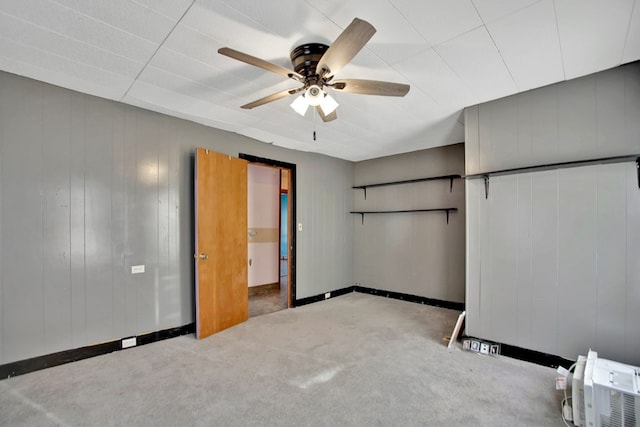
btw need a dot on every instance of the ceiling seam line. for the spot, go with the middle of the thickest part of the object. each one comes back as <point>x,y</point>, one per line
<point>626,37</point>
<point>57,55</point>
<point>96,19</point>
<point>432,48</point>
<point>92,46</point>
<point>411,25</point>
<point>484,25</point>
<point>144,67</point>
<point>555,13</point>
<point>182,76</point>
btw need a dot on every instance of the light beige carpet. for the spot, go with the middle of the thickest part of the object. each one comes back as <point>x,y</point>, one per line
<point>355,360</point>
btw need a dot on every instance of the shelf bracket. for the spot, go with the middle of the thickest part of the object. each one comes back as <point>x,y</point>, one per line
<point>638,170</point>
<point>447,216</point>
<point>451,185</point>
<point>362,214</point>
<point>365,193</point>
<point>486,186</point>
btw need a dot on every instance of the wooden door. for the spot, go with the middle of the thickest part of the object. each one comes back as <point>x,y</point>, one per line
<point>221,242</point>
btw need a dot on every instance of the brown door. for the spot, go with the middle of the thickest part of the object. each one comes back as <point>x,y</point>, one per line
<point>221,242</point>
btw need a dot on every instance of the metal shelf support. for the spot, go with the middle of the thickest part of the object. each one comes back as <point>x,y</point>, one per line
<point>409,181</point>
<point>446,210</point>
<point>553,166</point>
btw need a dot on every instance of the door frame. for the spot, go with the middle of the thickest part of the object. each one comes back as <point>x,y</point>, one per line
<point>292,220</point>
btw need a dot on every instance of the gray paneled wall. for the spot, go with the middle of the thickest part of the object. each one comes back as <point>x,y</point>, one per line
<point>412,253</point>
<point>90,187</point>
<point>593,116</point>
<point>552,257</point>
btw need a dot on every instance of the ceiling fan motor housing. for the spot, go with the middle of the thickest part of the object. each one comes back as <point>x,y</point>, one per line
<point>305,58</point>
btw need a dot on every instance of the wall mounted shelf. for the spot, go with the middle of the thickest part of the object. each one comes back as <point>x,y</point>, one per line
<point>446,210</point>
<point>552,166</point>
<point>408,181</point>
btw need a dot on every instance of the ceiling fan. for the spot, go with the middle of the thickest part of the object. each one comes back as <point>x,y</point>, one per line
<point>315,65</point>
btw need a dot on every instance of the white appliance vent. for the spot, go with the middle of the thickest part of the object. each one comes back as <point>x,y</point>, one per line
<point>611,393</point>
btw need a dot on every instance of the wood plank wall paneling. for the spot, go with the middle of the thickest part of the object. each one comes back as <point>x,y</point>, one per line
<point>2,106</point>
<point>90,187</point>
<point>22,241</point>
<point>97,216</point>
<point>551,256</point>
<point>416,254</point>
<point>56,227</point>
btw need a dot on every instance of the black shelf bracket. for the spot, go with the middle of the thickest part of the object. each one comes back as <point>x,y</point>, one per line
<point>409,181</point>
<point>486,186</point>
<point>553,166</point>
<point>445,210</point>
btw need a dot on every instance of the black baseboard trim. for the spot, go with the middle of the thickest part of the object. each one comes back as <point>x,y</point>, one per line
<point>60,358</point>
<point>459,306</point>
<point>532,356</point>
<point>322,297</point>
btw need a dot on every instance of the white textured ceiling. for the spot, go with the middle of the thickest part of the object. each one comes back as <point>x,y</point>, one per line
<point>162,55</point>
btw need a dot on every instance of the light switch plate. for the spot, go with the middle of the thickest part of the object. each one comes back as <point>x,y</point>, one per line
<point>299,226</point>
<point>137,269</point>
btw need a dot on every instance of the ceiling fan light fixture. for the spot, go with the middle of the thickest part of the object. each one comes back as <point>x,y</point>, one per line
<point>314,95</point>
<point>328,104</point>
<point>300,105</point>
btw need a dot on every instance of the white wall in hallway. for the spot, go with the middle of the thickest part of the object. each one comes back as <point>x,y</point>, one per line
<point>263,205</point>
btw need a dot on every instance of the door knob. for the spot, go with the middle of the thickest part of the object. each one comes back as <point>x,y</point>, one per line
<point>201,256</point>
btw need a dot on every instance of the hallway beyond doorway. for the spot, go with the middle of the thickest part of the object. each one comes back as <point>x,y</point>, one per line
<point>270,298</point>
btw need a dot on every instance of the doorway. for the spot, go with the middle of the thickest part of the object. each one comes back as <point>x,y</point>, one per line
<point>271,251</point>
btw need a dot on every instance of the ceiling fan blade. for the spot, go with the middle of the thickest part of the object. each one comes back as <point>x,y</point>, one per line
<point>260,63</point>
<point>272,97</point>
<point>371,87</point>
<point>326,118</point>
<point>346,46</point>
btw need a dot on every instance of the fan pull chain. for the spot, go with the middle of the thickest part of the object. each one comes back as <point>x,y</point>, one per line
<point>315,123</point>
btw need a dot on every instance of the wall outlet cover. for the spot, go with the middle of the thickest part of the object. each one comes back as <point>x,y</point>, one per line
<point>137,269</point>
<point>475,345</point>
<point>494,350</point>
<point>129,342</point>
<point>484,348</point>
<point>327,295</point>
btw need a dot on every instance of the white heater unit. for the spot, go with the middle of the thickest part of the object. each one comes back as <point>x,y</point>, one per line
<point>577,392</point>
<point>611,393</point>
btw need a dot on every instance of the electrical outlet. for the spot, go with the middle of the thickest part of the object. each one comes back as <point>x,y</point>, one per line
<point>136,269</point>
<point>484,348</point>
<point>299,226</point>
<point>327,295</point>
<point>129,342</point>
<point>475,345</point>
<point>494,350</point>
